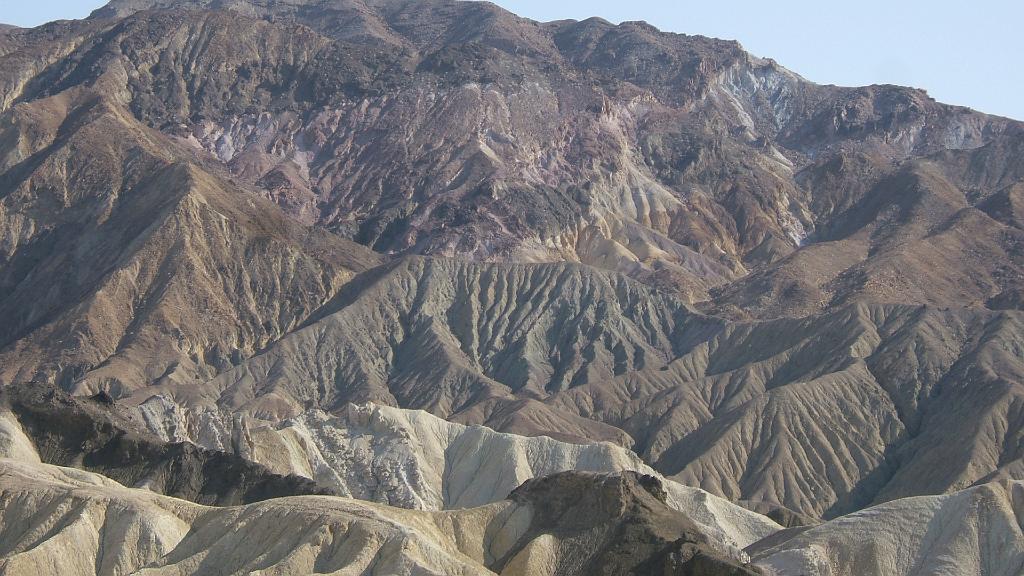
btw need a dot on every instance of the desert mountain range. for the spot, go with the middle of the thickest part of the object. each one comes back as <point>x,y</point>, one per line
<point>424,287</point>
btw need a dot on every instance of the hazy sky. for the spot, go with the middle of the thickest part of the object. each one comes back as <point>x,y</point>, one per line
<point>965,52</point>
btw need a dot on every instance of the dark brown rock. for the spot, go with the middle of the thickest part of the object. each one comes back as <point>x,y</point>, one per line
<point>99,437</point>
<point>620,524</point>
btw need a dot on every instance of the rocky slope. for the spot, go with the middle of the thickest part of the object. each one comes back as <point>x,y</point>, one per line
<point>975,531</point>
<point>748,410</point>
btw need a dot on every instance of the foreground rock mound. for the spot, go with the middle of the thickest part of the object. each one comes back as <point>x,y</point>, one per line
<point>620,524</point>
<point>65,521</point>
<point>59,520</point>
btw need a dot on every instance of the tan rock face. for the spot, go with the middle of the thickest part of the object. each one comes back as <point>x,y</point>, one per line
<point>969,532</point>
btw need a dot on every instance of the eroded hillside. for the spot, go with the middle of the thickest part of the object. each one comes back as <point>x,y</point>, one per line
<point>276,229</point>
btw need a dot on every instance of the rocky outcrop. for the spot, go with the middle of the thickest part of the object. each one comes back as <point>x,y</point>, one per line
<point>616,524</point>
<point>51,427</point>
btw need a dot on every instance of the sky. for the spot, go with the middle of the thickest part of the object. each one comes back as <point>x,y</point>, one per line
<point>965,52</point>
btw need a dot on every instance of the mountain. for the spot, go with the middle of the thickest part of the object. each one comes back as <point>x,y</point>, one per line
<point>679,160</point>
<point>628,273</point>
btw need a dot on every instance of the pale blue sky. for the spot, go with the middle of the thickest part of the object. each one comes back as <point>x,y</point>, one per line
<point>965,52</point>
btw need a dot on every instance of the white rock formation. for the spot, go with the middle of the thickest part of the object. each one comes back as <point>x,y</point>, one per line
<point>65,521</point>
<point>412,459</point>
<point>56,520</point>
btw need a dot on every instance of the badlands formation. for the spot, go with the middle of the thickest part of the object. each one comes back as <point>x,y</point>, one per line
<point>60,520</point>
<point>424,287</point>
<point>68,521</point>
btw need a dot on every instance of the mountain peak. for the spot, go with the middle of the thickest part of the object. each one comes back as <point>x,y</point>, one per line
<point>122,8</point>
